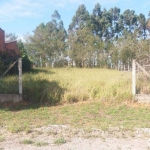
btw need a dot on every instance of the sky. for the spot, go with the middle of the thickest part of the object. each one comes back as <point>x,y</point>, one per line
<point>23,16</point>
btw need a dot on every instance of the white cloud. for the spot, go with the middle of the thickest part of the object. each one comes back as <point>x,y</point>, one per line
<point>16,8</point>
<point>65,3</point>
<point>12,9</point>
<point>30,8</point>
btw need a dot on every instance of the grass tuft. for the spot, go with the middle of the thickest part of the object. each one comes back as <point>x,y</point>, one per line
<point>41,144</point>
<point>27,141</point>
<point>60,141</point>
<point>2,138</point>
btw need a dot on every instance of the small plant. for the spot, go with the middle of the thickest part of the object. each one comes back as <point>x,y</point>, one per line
<point>15,129</point>
<point>1,139</point>
<point>60,141</point>
<point>26,141</point>
<point>41,144</point>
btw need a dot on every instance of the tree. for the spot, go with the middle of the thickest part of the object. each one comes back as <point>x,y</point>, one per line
<point>94,24</point>
<point>143,26</point>
<point>82,47</point>
<point>10,37</point>
<point>48,41</point>
<point>92,39</point>
<point>26,63</point>
<point>80,19</point>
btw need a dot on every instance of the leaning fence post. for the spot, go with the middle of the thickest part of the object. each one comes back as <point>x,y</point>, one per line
<point>20,74</point>
<point>133,76</point>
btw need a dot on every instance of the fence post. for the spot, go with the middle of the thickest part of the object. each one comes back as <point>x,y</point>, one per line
<point>133,76</point>
<point>20,74</point>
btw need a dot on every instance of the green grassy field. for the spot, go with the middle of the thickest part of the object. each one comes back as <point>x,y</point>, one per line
<point>78,97</point>
<point>73,85</point>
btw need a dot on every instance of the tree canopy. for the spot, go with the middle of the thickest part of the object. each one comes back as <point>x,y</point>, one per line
<point>102,38</point>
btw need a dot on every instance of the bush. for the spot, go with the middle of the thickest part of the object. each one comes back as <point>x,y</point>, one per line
<point>26,64</point>
<point>61,63</point>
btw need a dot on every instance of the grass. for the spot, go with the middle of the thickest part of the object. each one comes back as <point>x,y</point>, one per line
<point>69,85</point>
<point>60,141</point>
<point>79,115</point>
<point>104,100</point>
<point>41,144</point>
<point>143,84</point>
<point>27,141</point>
<point>2,138</point>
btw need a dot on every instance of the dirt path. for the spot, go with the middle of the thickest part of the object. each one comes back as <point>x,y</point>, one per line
<point>65,138</point>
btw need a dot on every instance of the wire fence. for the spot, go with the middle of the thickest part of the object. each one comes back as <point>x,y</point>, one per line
<point>143,76</point>
<point>9,84</point>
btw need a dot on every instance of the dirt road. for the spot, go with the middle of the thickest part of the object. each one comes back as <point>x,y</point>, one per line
<point>65,138</point>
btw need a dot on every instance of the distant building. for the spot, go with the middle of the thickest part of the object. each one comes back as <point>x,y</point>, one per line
<point>9,47</point>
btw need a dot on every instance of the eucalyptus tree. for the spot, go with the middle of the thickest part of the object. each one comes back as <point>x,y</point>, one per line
<point>94,23</point>
<point>36,44</point>
<point>116,22</point>
<point>56,37</point>
<point>77,37</point>
<point>143,26</point>
<point>80,19</point>
<point>48,40</point>
<point>99,21</point>
<point>129,20</point>
<point>82,47</point>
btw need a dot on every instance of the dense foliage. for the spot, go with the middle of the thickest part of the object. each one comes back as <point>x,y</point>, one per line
<point>6,59</point>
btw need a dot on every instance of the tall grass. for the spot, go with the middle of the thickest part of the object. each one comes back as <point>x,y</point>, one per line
<point>143,85</point>
<point>69,85</point>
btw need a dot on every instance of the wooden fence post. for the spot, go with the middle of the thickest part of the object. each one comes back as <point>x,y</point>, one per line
<point>133,76</point>
<point>20,74</point>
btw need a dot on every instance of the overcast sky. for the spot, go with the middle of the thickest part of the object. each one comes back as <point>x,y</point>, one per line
<point>22,16</point>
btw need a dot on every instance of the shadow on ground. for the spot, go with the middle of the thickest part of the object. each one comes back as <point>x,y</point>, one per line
<point>10,106</point>
<point>38,70</point>
<point>37,93</point>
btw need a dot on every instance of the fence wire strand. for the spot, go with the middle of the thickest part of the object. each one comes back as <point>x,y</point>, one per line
<point>9,82</point>
<point>143,81</point>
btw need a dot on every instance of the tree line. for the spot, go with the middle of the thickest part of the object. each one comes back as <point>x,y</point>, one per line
<point>104,38</point>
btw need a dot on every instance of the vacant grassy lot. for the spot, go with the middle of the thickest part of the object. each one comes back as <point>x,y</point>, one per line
<point>103,96</point>
<point>72,85</point>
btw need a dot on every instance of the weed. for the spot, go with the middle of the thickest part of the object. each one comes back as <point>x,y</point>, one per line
<point>2,139</point>
<point>60,141</point>
<point>15,129</point>
<point>41,144</point>
<point>27,141</point>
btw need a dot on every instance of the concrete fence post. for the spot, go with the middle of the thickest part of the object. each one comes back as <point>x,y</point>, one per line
<point>20,74</point>
<point>133,76</point>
